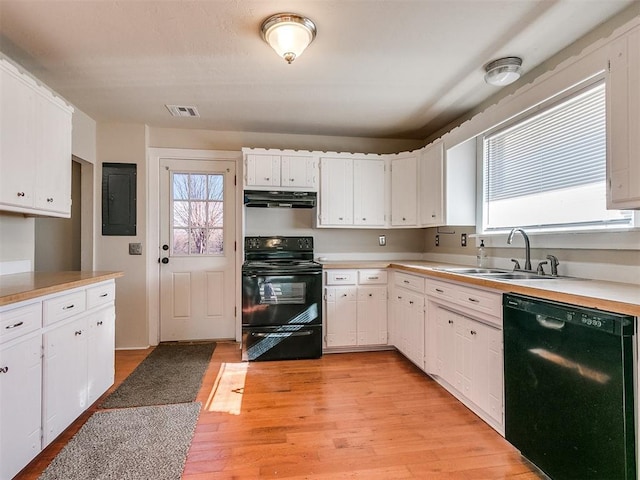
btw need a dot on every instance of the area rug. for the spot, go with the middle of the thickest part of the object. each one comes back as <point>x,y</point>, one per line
<point>172,373</point>
<point>130,444</point>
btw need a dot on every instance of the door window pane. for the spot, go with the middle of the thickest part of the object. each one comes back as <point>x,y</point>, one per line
<point>197,214</point>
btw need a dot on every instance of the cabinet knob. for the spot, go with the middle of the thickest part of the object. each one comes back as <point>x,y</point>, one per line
<point>344,294</point>
<point>473,332</point>
<point>21,194</point>
<point>371,294</point>
<point>410,302</point>
<point>78,332</point>
<point>267,178</point>
<point>99,323</point>
<point>50,200</point>
<point>450,322</point>
<point>433,215</point>
<point>4,369</point>
<point>404,219</point>
<point>292,179</point>
<point>339,218</point>
<point>363,218</point>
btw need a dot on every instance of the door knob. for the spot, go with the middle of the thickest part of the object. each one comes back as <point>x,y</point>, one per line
<point>165,260</point>
<point>165,247</point>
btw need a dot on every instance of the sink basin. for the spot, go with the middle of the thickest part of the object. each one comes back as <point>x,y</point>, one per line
<point>516,276</point>
<point>473,271</point>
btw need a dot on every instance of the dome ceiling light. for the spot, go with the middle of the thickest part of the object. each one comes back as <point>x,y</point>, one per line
<point>288,34</point>
<point>503,71</point>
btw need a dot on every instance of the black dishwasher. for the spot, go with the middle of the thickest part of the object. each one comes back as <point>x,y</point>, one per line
<point>569,405</point>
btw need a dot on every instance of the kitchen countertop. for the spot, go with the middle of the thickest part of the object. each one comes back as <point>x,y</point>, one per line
<point>609,296</point>
<point>18,287</point>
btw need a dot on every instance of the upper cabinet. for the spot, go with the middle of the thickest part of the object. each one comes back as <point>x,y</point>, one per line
<point>404,190</point>
<point>352,191</point>
<point>282,169</point>
<point>431,185</point>
<point>623,122</point>
<point>35,147</point>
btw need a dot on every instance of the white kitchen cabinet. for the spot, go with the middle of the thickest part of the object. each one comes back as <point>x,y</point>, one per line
<point>404,190</point>
<point>352,191</point>
<point>336,192</point>
<point>463,338</point>
<point>101,352</point>
<point>286,170</point>
<point>355,308</point>
<point>431,185</point>
<point>369,198</point>
<point>623,122</point>
<point>20,400</point>
<point>65,376</point>
<point>35,147</point>
<point>407,314</point>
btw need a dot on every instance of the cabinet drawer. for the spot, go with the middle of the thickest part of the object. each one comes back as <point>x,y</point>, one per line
<point>20,321</point>
<point>412,282</point>
<point>479,300</point>
<point>441,290</point>
<point>372,277</point>
<point>101,294</point>
<point>64,306</point>
<point>341,277</point>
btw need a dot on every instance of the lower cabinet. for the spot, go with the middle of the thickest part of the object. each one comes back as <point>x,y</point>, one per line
<point>355,308</point>
<point>57,357</point>
<point>20,403</point>
<point>465,346</point>
<point>407,309</point>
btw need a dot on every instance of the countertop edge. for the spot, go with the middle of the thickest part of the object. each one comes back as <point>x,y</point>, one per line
<point>20,287</point>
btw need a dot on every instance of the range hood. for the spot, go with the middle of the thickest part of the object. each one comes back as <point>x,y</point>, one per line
<point>279,199</point>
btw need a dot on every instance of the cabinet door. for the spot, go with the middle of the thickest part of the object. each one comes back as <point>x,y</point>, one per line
<point>404,190</point>
<point>65,377</point>
<point>415,332</point>
<point>463,348</point>
<point>431,200</point>
<point>263,170</point>
<point>53,162</point>
<point>101,350</point>
<point>20,400</point>
<point>372,315</point>
<point>17,141</point>
<point>369,192</point>
<point>486,368</point>
<point>623,122</point>
<point>298,172</point>
<point>445,321</point>
<point>336,191</point>
<point>341,316</point>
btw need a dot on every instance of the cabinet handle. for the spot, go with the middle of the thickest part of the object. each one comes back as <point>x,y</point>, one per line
<point>372,278</point>
<point>439,290</point>
<point>410,302</point>
<point>4,369</point>
<point>69,307</point>
<point>50,200</point>
<point>78,332</point>
<point>399,297</point>
<point>406,281</point>
<point>99,323</point>
<point>8,327</point>
<point>21,194</point>
<point>471,299</point>
<point>450,322</point>
<point>473,332</point>
<point>104,295</point>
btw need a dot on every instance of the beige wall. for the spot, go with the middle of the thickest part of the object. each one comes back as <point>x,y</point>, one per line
<point>124,143</point>
<point>17,240</point>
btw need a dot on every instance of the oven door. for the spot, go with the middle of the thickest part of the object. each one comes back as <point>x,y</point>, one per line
<point>281,299</point>
<point>287,342</point>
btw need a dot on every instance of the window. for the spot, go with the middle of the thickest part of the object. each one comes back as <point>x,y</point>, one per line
<point>547,171</point>
<point>197,220</point>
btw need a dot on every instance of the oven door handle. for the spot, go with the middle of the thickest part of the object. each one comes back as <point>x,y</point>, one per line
<point>279,273</point>
<point>303,333</point>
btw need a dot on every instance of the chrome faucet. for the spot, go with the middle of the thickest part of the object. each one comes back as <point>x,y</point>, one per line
<point>527,246</point>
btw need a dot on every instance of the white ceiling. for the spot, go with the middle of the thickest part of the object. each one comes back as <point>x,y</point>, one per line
<point>378,68</point>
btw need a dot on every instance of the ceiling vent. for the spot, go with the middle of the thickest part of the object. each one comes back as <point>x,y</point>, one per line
<point>183,111</point>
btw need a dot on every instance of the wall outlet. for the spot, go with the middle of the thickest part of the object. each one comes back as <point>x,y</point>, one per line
<point>135,249</point>
<point>437,240</point>
<point>463,240</point>
<point>382,240</point>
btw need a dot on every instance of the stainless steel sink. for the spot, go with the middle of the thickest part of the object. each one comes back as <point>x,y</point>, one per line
<point>498,274</point>
<point>473,271</point>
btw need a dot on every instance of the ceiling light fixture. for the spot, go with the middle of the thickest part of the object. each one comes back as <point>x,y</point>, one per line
<point>288,34</point>
<point>503,71</point>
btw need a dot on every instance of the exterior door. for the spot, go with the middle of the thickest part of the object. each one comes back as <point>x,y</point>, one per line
<point>197,241</point>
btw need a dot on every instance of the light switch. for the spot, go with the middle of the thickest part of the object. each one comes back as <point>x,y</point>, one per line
<point>382,240</point>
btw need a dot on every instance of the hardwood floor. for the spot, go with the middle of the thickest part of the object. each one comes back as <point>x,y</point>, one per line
<point>364,415</point>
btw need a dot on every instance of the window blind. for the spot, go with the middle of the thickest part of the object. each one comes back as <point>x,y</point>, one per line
<point>561,147</point>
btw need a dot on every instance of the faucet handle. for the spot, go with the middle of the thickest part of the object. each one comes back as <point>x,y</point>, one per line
<point>553,262</point>
<point>517,264</point>
<point>540,270</point>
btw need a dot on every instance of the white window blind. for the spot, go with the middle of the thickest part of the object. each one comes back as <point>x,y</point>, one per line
<point>549,170</point>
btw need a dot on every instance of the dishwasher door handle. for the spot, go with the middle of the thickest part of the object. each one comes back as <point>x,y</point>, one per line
<point>550,323</point>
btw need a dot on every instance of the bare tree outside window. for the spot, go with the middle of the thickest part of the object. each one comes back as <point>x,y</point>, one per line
<point>197,222</point>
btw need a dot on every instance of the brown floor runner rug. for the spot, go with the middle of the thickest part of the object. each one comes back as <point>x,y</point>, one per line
<point>172,373</point>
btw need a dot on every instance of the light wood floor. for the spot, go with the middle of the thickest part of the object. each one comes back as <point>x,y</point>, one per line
<point>359,416</point>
